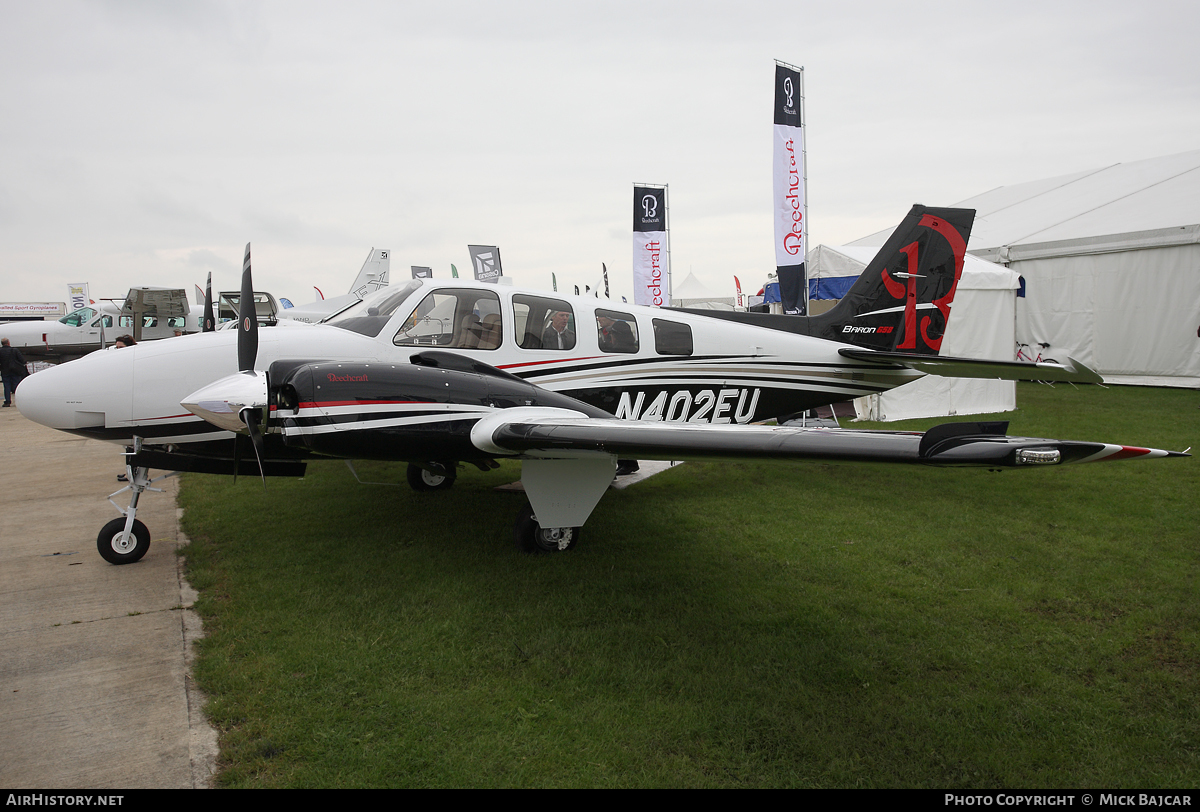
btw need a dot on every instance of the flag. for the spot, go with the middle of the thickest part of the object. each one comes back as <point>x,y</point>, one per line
<point>651,275</point>
<point>485,259</point>
<point>789,180</point>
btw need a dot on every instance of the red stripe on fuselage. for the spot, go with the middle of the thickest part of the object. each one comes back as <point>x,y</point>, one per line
<point>318,404</point>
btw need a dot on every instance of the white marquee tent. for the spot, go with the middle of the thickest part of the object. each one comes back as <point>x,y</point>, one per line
<point>691,292</point>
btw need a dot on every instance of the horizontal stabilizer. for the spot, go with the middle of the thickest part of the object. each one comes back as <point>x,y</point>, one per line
<point>1071,371</point>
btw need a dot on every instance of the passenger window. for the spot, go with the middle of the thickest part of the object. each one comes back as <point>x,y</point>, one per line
<point>616,331</point>
<point>543,323</point>
<point>454,319</point>
<point>672,338</point>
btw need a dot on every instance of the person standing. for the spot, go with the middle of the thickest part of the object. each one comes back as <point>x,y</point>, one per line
<point>12,368</point>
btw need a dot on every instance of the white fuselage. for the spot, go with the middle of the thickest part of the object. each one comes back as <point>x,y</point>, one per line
<point>86,330</point>
<point>731,372</point>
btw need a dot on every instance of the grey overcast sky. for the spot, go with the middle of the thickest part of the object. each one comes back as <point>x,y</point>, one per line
<point>144,142</point>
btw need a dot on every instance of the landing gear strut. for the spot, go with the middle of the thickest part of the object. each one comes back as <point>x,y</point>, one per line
<point>531,537</point>
<point>125,540</point>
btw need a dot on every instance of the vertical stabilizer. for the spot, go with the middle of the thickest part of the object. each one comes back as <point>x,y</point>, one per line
<point>374,273</point>
<point>901,301</point>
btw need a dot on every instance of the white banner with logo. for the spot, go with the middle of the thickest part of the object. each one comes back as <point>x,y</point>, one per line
<point>789,188</point>
<point>77,295</point>
<point>651,278</point>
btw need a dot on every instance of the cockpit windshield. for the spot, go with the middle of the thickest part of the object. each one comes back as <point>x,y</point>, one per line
<point>78,317</point>
<point>370,315</point>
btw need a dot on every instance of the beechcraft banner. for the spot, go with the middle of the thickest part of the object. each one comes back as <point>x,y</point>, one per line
<point>789,189</point>
<point>485,259</point>
<point>651,283</point>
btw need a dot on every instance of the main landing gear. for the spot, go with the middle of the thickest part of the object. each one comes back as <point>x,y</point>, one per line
<point>423,479</point>
<point>125,540</point>
<point>532,538</point>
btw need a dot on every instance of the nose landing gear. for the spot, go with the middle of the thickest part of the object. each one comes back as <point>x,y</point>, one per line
<point>125,540</point>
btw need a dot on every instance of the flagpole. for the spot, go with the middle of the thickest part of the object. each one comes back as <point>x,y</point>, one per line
<point>667,223</point>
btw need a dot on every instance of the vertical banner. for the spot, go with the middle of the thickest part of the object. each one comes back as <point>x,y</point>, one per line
<point>485,259</point>
<point>737,283</point>
<point>651,275</point>
<point>419,272</point>
<point>789,186</point>
<point>77,293</point>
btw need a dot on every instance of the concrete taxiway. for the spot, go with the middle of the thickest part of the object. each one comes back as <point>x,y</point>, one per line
<point>95,690</point>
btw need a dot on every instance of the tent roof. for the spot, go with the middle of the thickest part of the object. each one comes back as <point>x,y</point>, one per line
<point>693,288</point>
<point>1158,193</point>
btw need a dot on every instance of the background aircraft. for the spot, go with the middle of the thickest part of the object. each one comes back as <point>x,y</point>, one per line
<point>371,277</point>
<point>443,373</point>
<point>147,313</point>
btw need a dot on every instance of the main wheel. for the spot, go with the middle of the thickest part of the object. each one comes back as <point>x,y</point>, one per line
<point>531,537</point>
<point>118,548</point>
<point>420,479</point>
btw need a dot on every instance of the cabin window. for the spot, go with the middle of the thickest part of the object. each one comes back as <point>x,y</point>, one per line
<point>616,331</point>
<point>543,323</point>
<point>454,319</point>
<point>107,321</point>
<point>672,338</point>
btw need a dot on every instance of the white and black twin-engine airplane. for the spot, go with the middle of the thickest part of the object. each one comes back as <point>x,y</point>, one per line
<point>450,372</point>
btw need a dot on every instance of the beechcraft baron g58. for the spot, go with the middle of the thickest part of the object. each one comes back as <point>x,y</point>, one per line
<point>443,373</point>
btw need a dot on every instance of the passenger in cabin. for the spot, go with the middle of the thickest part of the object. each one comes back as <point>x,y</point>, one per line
<point>614,336</point>
<point>557,336</point>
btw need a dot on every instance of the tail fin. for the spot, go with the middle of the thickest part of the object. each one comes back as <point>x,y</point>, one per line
<point>374,273</point>
<point>901,302</point>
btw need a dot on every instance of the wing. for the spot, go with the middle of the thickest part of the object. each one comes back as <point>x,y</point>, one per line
<point>549,435</point>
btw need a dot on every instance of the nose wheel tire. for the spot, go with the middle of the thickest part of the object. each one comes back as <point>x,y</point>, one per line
<point>420,479</point>
<point>117,547</point>
<point>532,538</point>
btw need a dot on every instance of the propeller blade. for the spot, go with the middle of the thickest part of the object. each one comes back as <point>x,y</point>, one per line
<point>210,322</point>
<point>251,417</point>
<point>247,319</point>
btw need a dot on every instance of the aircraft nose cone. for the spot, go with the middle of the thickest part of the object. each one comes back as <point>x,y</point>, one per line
<point>82,394</point>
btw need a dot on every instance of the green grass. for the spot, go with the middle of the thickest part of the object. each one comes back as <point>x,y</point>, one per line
<point>723,625</point>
